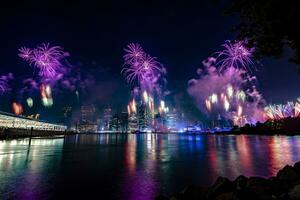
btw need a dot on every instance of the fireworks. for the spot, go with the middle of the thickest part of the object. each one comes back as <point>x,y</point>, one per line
<point>225,86</point>
<point>25,53</point>
<point>280,111</point>
<point>228,93</point>
<point>141,67</point>
<point>208,105</point>
<point>226,104</point>
<point>131,108</point>
<point>239,110</point>
<point>29,102</point>
<point>163,108</point>
<point>134,54</point>
<point>235,55</point>
<point>231,96</point>
<point>3,86</point>
<point>46,95</point>
<point>45,58</point>
<point>4,82</point>
<point>145,96</point>
<point>241,95</point>
<point>17,108</point>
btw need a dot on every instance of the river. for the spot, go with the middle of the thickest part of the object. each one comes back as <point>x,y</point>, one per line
<point>133,167</point>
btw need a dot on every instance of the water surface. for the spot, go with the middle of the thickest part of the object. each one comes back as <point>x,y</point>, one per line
<point>116,166</point>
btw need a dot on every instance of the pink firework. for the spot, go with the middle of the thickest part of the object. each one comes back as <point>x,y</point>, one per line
<point>3,86</point>
<point>45,58</point>
<point>133,53</point>
<point>25,53</point>
<point>17,108</point>
<point>4,82</point>
<point>143,71</point>
<point>235,55</point>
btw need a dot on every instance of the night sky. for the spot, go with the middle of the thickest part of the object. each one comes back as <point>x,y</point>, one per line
<point>180,34</point>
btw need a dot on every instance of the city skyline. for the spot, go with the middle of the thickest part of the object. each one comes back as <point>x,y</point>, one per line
<point>102,63</point>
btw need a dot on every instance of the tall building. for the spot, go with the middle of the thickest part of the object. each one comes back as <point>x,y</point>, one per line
<point>66,116</point>
<point>119,122</point>
<point>132,122</point>
<point>88,119</point>
<point>145,117</point>
<point>88,113</point>
<point>106,119</point>
<point>172,119</point>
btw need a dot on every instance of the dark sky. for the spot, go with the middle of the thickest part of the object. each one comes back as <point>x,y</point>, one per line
<point>180,34</point>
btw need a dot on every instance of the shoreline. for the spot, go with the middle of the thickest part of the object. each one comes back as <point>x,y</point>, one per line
<point>284,186</point>
<point>26,133</point>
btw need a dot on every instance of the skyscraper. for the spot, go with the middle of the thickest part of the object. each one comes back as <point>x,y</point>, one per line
<point>106,119</point>
<point>88,119</point>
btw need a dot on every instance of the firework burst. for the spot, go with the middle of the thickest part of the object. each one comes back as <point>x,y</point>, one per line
<point>236,55</point>
<point>47,59</point>
<point>17,108</point>
<point>46,95</point>
<point>280,111</point>
<point>25,53</point>
<point>3,86</point>
<point>133,53</point>
<point>230,94</point>
<point>4,80</point>
<point>139,66</point>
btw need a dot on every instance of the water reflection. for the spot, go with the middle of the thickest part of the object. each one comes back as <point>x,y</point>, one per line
<point>135,166</point>
<point>22,165</point>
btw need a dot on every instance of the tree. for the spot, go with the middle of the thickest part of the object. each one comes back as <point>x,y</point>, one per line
<point>269,25</point>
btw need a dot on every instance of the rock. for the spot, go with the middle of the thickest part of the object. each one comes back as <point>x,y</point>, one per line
<point>246,194</point>
<point>258,188</point>
<point>227,196</point>
<point>297,167</point>
<point>285,196</point>
<point>254,182</point>
<point>240,182</point>
<point>294,193</point>
<point>161,197</point>
<point>287,174</point>
<point>222,185</point>
<point>192,192</point>
<point>278,187</point>
<point>177,197</point>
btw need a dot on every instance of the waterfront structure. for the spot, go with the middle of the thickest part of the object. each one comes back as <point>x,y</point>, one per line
<point>8,120</point>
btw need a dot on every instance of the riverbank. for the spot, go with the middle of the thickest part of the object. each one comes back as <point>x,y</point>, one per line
<point>284,186</point>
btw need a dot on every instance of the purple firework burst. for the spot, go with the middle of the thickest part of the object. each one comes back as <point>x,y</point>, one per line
<point>4,82</point>
<point>45,58</point>
<point>139,66</point>
<point>133,53</point>
<point>3,86</point>
<point>235,55</point>
<point>25,53</point>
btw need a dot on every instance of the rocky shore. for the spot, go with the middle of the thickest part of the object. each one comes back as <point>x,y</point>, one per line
<point>284,186</point>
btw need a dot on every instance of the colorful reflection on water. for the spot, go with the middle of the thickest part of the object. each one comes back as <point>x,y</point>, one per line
<point>115,166</point>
